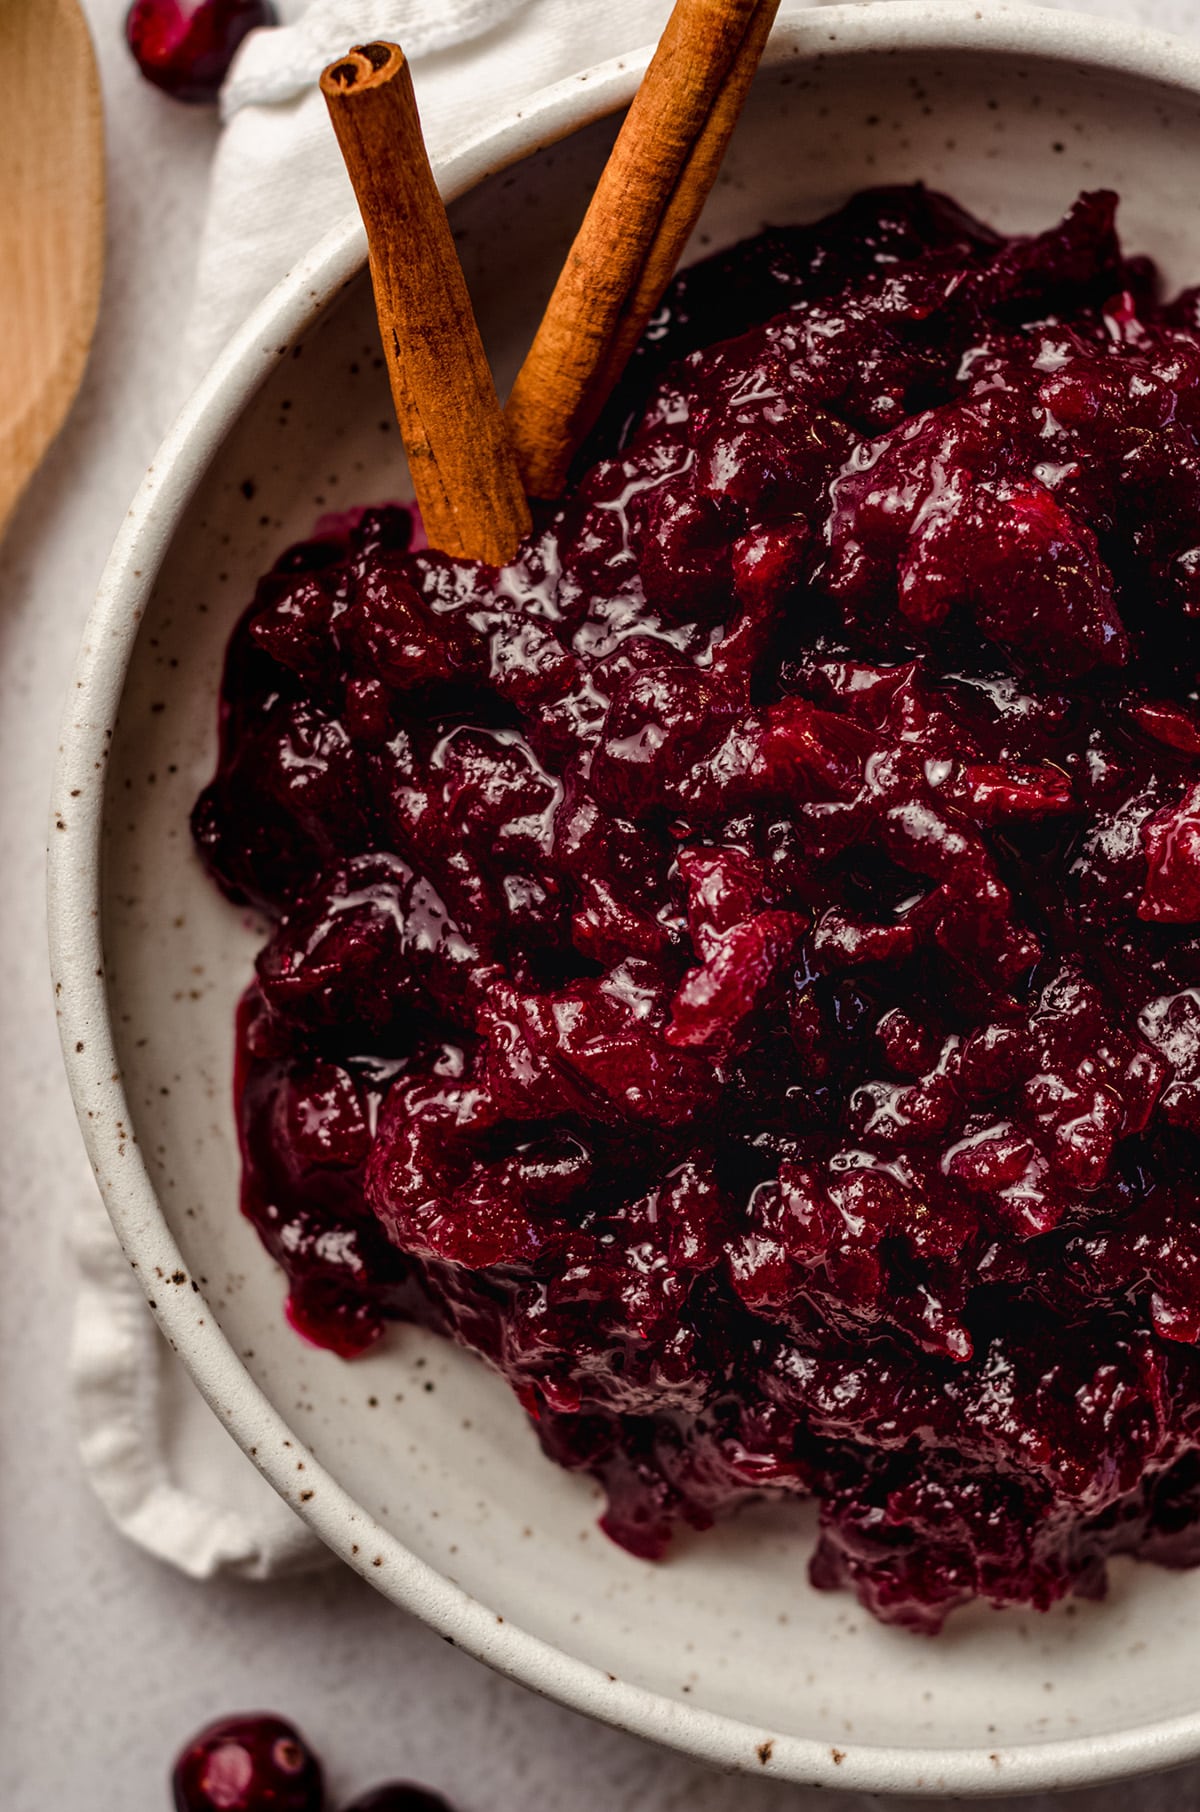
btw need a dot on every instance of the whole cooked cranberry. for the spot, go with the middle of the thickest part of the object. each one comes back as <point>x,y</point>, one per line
<point>185,47</point>
<point>398,1796</point>
<point>255,1763</point>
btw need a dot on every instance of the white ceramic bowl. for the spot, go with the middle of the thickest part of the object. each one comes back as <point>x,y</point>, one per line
<point>414,1464</point>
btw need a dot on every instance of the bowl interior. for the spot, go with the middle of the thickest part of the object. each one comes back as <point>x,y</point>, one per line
<point>419,1434</point>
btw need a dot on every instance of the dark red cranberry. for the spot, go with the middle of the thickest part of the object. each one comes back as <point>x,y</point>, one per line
<point>185,47</point>
<point>399,1796</point>
<point>254,1763</point>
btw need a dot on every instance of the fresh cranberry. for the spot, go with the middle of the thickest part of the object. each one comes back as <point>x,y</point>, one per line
<point>257,1763</point>
<point>185,47</point>
<point>399,1796</point>
<point>738,969</point>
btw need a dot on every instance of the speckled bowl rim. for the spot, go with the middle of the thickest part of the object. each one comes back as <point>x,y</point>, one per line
<point>74,904</point>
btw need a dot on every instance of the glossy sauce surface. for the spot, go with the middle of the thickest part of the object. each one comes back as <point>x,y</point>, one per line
<point>737,968</point>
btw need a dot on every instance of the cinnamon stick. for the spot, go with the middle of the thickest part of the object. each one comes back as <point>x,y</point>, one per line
<point>463,469</point>
<point>646,203</point>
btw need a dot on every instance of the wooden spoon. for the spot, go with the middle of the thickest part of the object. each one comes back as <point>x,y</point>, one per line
<point>51,226</point>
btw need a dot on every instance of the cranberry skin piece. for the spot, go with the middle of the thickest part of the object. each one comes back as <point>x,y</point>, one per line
<point>717,1001</point>
<point>254,1763</point>
<point>399,1796</point>
<point>186,48</point>
<point>1172,839</point>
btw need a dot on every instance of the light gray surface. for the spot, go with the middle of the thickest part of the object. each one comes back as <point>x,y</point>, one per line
<point>110,1660</point>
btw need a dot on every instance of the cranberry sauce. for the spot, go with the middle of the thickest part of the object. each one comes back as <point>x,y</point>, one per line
<point>738,968</point>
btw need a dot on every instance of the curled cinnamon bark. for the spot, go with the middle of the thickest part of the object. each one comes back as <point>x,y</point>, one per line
<point>463,470</point>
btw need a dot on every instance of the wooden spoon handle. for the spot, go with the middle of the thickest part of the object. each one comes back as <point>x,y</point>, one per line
<point>51,227</point>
